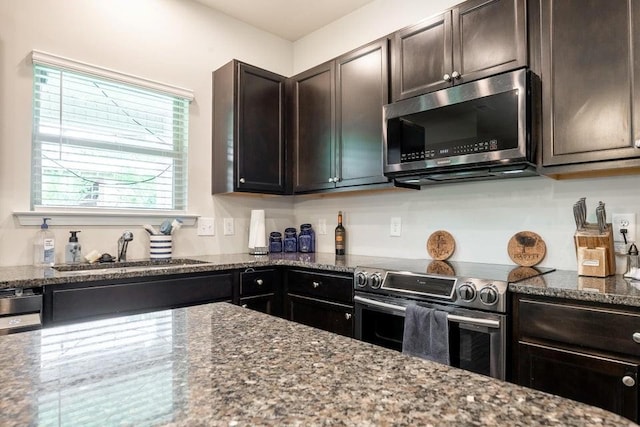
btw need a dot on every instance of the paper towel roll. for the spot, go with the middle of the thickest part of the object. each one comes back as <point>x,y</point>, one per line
<point>257,232</point>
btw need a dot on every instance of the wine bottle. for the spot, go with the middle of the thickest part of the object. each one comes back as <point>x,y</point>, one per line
<point>340,236</point>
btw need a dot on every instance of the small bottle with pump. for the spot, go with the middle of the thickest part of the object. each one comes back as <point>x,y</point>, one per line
<point>44,246</point>
<point>73,250</point>
<point>341,235</point>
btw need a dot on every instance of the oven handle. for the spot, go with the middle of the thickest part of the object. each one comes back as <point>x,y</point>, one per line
<point>451,317</point>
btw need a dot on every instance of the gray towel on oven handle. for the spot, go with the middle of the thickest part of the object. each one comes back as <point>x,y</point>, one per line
<point>426,334</point>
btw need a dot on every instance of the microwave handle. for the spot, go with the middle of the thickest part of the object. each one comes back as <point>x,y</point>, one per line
<point>451,317</point>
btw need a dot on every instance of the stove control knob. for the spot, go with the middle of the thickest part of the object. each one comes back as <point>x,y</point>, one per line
<point>467,291</point>
<point>489,295</point>
<point>361,279</point>
<point>376,281</point>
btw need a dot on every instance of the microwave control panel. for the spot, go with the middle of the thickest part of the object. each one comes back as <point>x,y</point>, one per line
<point>459,150</point>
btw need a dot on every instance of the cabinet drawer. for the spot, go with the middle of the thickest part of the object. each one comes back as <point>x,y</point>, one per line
<point>326,286</point>
<point>258,282</point>
<point>332,317</point>
<point>596,328</point>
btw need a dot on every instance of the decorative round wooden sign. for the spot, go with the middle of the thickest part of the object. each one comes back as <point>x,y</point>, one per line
<point>526,248</point>
<point>441,267</point>
<point>441,245</point>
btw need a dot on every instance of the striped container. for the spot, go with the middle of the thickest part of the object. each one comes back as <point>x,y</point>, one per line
<point>160,247</point>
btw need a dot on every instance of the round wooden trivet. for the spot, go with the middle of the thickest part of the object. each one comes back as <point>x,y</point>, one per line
<point>441,267</point>
<point>526,248</point>
<point>441,245</point>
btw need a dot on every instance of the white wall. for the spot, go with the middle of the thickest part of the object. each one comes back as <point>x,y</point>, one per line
<point>481,216</point>
<point>178,42</point>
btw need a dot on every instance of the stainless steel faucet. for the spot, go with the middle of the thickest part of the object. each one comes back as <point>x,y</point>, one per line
<point>123,243</point>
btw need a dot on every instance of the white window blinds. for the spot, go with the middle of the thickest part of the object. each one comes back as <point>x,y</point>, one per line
<point>104,143</point>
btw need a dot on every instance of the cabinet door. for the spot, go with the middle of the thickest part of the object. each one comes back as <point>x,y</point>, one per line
<point>362,88</point>
<point>421,56</point>
<point>593,380</point>
<point>88,301</point>
<point>264,303</point>
<point>489,37</point>
<point>261,130</point>
<point>332,317</point>
<point>587,78</point>
<point>313,129</point>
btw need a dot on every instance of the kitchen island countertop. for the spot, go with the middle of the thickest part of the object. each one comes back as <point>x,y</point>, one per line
<point>219,364</point>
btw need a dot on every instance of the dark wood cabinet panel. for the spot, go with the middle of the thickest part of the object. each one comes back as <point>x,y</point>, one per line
<point>585,351</point>
<point>422,55</point>
<point>261,290</point>
<point>475,39</point>
<point>331,287</point>
<point>332,317</point>
<point>94,300</point>
<point>249,141</point>
<point>588,74</point>
<point>337,120</point>
<point>313,128</point>
<point>362,88</point>
<point>489,37</point>
<point>589,379</point>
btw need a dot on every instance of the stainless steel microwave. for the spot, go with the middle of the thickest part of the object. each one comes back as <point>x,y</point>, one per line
<point>485,129</point>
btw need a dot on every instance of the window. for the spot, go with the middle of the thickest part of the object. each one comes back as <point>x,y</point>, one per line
<point>105,142</point>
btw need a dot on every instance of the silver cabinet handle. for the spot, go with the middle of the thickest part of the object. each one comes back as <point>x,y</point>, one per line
<point>336,179</point>
<point>242,181</point>
<point>636,337</point>
<point>628,380</point>
<point>347,316</point>
<point>330,179</point>
<point>259,282</point>
<point>446,78</point>
<point>456,75</point>
<point>244,306</point>
<point>637,143</point>
<point>316,284</point>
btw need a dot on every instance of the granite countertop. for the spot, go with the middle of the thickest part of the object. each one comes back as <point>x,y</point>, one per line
<point>558,284</point>
<point>219,364</point>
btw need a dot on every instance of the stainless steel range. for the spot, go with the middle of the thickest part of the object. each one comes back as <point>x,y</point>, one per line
<point>474,296</point>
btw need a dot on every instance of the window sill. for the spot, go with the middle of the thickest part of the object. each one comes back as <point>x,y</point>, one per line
<point>101,218</point>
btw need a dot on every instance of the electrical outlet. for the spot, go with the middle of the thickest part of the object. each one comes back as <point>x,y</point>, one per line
<point>206,226</point>
<point>322,226</point>
<point>396,226</point>
<point>228,227</point>
<point>619,222</point>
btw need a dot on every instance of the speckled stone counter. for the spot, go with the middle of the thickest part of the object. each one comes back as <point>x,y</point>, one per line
<point>219,364</point>
<point>569,285</point>
<point>29,276</point>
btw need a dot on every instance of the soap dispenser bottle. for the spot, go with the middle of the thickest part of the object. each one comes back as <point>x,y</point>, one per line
<point>73,250</point>
<point>44,246</point>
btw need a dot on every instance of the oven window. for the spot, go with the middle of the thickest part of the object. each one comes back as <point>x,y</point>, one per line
<point>382,329</point>
<point>470,349</point>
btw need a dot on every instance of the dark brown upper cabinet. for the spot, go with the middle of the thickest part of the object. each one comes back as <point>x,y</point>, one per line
<point>590,68</point>
<point>249,143</point>
<point>336,112</point>
<point>475,39</point>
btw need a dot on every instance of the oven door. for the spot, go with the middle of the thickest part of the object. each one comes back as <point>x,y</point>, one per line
<point>477,340</point>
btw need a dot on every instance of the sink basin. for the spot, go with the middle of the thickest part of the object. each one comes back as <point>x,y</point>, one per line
<point>126,264</point>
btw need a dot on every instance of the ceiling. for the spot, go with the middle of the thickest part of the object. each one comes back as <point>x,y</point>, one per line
<point>289,19</point>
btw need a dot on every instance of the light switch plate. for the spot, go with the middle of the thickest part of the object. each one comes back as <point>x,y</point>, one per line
<point>228,227</point>
<point>322,226</point>
<point>206,226</point>
<point>396,226</point>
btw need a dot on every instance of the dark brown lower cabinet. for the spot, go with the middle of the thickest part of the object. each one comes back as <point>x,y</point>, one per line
<point>261,290</point>
<point>78,302</point>
<point>320,299</point>
<point>265,303</point>
<point>330,316</point>
<point>585,351</point>
<point>586,378</point>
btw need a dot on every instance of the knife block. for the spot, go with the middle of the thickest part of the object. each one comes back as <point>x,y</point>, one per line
<point>594,251</point>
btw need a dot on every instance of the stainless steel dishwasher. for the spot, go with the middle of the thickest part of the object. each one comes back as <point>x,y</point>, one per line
<point>20,310</point>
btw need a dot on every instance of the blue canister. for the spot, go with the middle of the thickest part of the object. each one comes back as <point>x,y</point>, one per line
<point>306,239</point>
<point>275,242</point>
<point>290,240</point>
